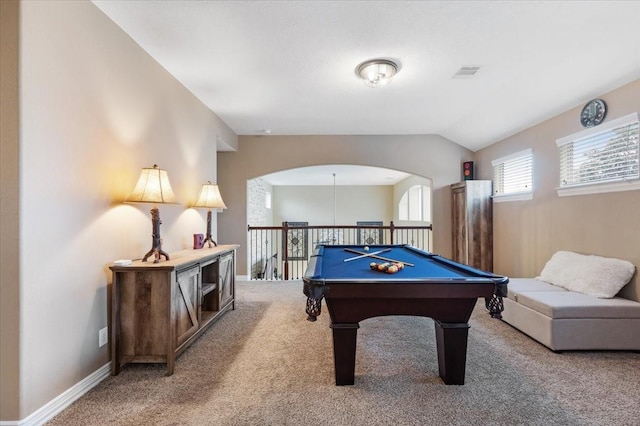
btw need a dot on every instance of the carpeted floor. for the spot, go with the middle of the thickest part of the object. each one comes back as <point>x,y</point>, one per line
<point>264,364</point>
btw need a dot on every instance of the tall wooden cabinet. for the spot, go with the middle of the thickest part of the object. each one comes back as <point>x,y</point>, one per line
<point>472,223</point>
<point>159,309</point>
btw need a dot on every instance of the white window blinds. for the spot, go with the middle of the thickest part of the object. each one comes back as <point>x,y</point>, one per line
<point>608,153</point>
<point>513,174</point>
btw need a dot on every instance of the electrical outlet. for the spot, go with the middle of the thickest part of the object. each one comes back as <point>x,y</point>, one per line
<point>103,337</point>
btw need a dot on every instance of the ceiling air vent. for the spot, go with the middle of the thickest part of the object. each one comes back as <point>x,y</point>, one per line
<point>466,72</point>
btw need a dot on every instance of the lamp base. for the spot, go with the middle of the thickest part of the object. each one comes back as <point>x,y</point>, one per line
<point>157,252</point>
<point>209,239</point>
<point>156,241</point>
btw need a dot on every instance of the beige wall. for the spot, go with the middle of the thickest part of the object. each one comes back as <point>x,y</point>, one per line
<point>94,109</point>
<point>9,188</point>
<point>527,233</point>
<point>423,155</point>
<point>314,204</point>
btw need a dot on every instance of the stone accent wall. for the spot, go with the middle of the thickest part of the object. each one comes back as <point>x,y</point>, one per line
<point>258,215</point>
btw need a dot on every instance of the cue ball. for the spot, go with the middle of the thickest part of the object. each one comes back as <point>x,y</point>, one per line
<point>366,248</point>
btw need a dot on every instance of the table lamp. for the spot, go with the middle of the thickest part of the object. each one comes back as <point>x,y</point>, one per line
<point>153,187</point>
<point>210,198</point>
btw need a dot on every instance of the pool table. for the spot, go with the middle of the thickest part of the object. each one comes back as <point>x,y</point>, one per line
<point>428,286</point>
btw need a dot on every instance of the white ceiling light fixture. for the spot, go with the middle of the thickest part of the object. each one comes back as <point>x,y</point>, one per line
<point>377,72</point>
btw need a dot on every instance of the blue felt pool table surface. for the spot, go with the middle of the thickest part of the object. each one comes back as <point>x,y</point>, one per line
<point>328,265</point>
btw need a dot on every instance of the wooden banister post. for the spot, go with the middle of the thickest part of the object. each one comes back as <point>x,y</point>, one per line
<point>391,230</point>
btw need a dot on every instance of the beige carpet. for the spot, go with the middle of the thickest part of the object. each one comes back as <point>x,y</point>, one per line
<point>264,364</point>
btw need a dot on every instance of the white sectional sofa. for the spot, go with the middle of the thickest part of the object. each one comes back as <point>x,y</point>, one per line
<point>565,319</point>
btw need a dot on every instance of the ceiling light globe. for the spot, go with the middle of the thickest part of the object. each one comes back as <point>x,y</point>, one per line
<point>377,72</point>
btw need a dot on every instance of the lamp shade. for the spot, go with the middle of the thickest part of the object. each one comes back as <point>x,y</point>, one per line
<point>153,187</point>
<point>210,197</point>
<point>377,72</point>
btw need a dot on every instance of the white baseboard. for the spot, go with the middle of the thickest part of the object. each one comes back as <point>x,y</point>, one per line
<point>62,401</point>
<point>242,277</point>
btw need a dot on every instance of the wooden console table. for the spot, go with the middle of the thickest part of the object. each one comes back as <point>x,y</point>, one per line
<point>159,309</point>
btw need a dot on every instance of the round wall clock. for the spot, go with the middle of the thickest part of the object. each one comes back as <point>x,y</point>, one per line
<point>593,113</point>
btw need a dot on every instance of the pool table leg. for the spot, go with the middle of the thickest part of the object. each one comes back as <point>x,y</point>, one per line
<point>451,340</point>
<point>344,352</point>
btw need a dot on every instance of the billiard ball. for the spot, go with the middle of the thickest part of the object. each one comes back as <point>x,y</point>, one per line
<point>392,269</point>
<point>366,248</point>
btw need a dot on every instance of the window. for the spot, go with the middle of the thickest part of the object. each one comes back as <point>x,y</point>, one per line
<point>415,204</point>
<point>267,200</point>
<point>600,159</point>
<point>513,177</point>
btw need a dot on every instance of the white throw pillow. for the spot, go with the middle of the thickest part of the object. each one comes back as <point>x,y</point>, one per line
<point>597,276</point>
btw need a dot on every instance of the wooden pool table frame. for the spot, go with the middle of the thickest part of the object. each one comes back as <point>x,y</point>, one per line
<point>449,302</point>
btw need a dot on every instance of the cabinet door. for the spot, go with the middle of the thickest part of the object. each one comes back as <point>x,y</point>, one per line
<point>185,303</point>
<point>459,223</point>
<point>142,309</point>
<point>226,279</point>
<point>479,225</point>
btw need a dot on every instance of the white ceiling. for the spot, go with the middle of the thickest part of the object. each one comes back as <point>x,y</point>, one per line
<point>288,66</point>
<point>344,175</point>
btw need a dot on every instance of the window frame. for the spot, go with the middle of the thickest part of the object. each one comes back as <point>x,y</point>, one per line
<point>513,196</point>
<point>424,204</point>
<point>584,188</point>
<point>267,200</point>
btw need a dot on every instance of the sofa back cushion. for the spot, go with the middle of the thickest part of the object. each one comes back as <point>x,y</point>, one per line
<point>596,276</point>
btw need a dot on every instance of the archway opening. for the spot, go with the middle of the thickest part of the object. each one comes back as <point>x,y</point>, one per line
<point>338,195</point>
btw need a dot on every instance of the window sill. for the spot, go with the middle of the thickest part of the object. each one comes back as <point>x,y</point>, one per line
<point>522,196</point>
<point>599,188</point>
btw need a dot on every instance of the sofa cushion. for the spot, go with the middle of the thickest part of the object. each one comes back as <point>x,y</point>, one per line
<point>519,285</point>
<point>567,304</point>
<point>593,275</point>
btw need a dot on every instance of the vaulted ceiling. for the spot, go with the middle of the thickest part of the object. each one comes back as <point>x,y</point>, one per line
<point>288,67</point>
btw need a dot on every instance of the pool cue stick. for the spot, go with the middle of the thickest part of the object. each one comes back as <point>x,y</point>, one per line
<point>366,255</point>
<point>380,257</point>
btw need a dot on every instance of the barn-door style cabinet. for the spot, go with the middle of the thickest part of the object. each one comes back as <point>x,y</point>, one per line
<point>472,223</point>
<point>159,309</point>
